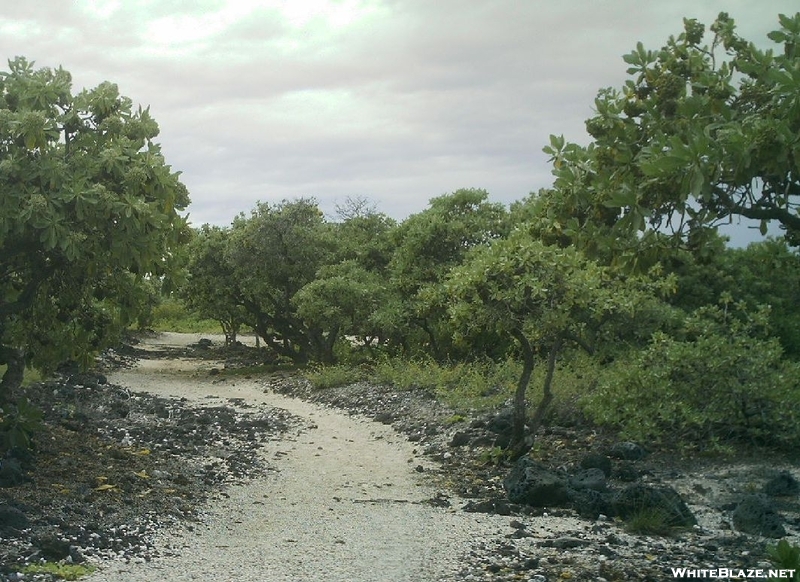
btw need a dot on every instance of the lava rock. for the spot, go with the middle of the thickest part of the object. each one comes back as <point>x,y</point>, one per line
<point>534,484</point>
<point>665,500</point>
<point>591,503</point>
<point>592,478</point>
<point>460,439</point>
<point>627,451</point>
<point>596,461</point>
<point>755,515</point>
<point>501,426</point>
<point>11,517</point>
<point>11,473</point>
<point>782,485</point>
<point>491,506</point>
<point>53,549</point>
<point>626,471</point>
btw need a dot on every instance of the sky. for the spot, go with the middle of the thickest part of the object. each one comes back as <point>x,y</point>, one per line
<point>395,101</point>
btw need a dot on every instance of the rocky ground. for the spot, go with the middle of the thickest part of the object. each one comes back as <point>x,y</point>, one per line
<point>600,547</point>
<point>111,469</point>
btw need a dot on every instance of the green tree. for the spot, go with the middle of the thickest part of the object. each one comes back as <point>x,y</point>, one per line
<point>699,135</point>
<point>274,253</point>
<point>343,300</point>
<point>427,246</point>
<point>88,210</point>
<point>544,297</point>
<point>211,289</point>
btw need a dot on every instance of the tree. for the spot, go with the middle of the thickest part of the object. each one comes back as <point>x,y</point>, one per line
<point>88,210</point>
<point>211,289</point>
<point>427,246</point>
<point>274,253</point>
<point>343,300</point>
<point>699,135</point>
<point>544,297</point>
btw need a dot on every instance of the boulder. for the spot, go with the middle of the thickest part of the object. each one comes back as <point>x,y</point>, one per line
<point>665,500</point>
<point>501,425</point>
<point>591,503</point>
<point>11,517</point>
<point>460,439</point>
<point>534,484</point>
<point>755,515</point>
<point>589,479</point>
<point>596,461</point>
<point>782,485</point>
<point>11,473</point>
<point>627,451</point>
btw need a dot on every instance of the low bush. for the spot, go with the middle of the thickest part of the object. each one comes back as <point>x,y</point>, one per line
<point>322,377</point>
<point>786,556</point>
<point>722,380</point>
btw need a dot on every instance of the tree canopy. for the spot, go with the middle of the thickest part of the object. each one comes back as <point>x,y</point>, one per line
<point>701,134</point>
<point>88,209</point>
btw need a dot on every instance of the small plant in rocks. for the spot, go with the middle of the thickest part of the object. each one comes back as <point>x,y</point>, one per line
<point>649,521</point>
<point>786,556</point>
<point>62,571</point>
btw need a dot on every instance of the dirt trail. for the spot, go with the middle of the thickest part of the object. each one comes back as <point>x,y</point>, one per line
<point>345,505</point>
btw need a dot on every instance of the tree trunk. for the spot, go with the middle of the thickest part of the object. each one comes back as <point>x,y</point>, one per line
<point>521,442</point>
<point>12,379</point>
<point>547,391</point>
<point>517,446</point>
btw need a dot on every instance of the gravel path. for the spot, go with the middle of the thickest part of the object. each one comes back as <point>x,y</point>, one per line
<point>347,502</point>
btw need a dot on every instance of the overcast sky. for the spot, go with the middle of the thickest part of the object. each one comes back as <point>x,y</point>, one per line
<point>393,100</point>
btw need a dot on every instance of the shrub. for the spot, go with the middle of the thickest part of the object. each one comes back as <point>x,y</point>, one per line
<point>786,556</point>
<point>172,315</point>
<point>322,377</point>
<point>18,423</point>
<point>722,379</point>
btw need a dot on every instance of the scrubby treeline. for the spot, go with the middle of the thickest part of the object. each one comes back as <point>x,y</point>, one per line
<point>617,265</point>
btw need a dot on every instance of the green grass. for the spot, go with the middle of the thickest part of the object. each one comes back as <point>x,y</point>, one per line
<point>482,386</point>
<point>469,387</point>
<point>322,377</point>
<point>650,522</point>
<point>63,571</point>
<point>172,315</point>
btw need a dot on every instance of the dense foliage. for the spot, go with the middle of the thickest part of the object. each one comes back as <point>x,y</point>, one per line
<point>89,210</point>
<point>687,339</point>
<point>680,337</point>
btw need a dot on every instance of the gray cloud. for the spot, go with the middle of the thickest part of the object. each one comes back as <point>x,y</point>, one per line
<point>411,100</point>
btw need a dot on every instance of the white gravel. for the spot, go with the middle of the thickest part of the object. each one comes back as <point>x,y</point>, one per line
<point>345,504</point>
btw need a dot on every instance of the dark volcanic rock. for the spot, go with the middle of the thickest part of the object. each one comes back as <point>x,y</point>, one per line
<point>627,451</point>
<point>592,503</point>
<point>589,479</point>
<point>533,484</point>
<point>597,461</point>
<point>782,485</point>
<point>52,548</point>
<point>460,439</point>
<point>11,473</point>
<point>11,517</point>
<point>755,515</point>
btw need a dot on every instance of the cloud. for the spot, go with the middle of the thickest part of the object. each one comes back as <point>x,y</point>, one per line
<point>397,100</point>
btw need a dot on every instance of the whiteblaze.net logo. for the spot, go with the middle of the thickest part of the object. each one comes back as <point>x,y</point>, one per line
<point>733,573</point>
